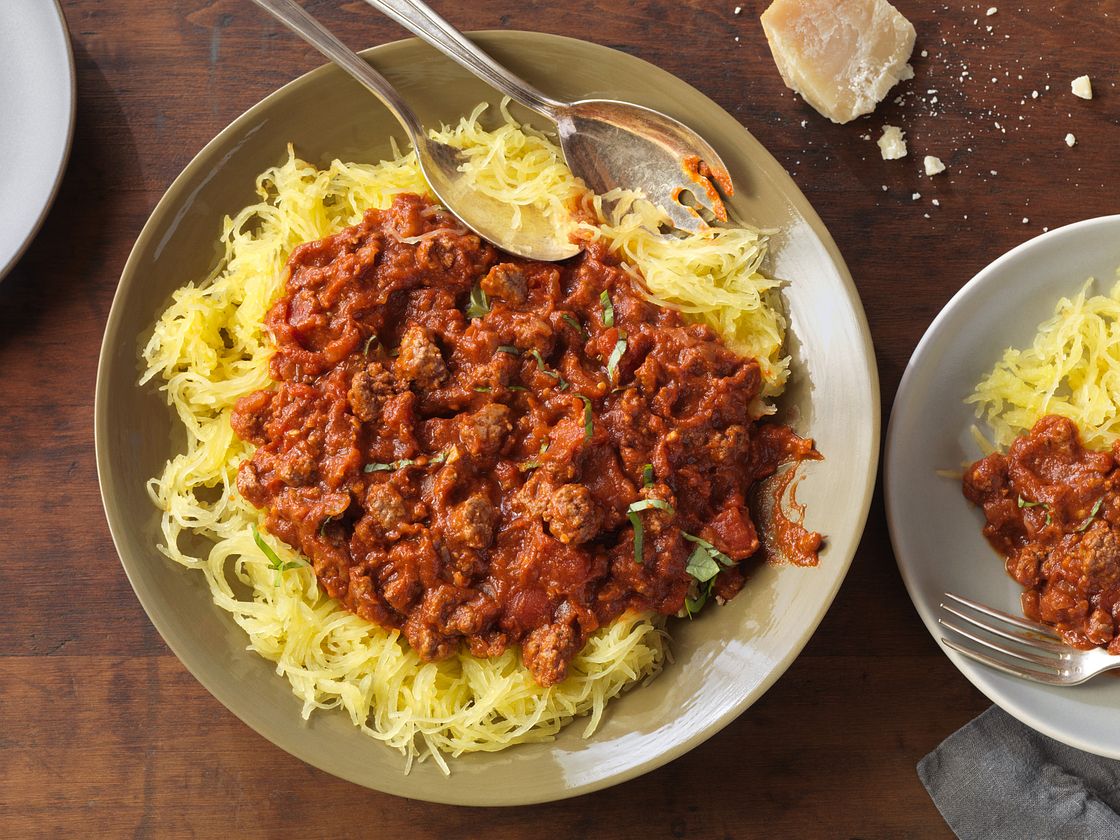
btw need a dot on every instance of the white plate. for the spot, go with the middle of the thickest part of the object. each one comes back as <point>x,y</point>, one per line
<point>37,104</point>
<point>935,532</point>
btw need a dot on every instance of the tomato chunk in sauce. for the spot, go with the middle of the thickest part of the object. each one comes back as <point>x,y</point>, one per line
<point>1053,511</point>
<point>456,437</point>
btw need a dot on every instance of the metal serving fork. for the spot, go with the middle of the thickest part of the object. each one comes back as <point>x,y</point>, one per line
<point>1025,648</point>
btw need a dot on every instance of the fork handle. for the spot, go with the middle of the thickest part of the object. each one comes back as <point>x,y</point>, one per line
<point>297,19</point>
<point>421,20</point>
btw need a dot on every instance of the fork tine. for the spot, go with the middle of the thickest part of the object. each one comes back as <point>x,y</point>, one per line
<point>1024,673</point>
<point>1022,638</point>
<point>1021,623</point>
<point>1047,661</point>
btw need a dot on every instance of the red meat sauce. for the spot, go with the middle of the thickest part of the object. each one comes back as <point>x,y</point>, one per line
<point>468,479</point>
<point>1053,511</point>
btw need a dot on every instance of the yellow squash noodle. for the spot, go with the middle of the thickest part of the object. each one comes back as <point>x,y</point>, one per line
<point>1072,369</point>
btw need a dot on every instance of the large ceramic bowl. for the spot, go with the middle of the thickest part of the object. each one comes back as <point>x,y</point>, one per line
<point>723,661</point>
<point>935,532</point>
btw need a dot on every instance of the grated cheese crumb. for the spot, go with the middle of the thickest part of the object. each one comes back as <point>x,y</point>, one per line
<point>933,165</point>
<point>1071,141</point>
<point>1082,87</point>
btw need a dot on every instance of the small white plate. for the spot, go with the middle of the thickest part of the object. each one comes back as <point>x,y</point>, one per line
<point>37,104</point>
<point>934,530</point>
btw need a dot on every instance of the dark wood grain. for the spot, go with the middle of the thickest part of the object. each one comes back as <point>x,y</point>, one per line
<point>103,732</point>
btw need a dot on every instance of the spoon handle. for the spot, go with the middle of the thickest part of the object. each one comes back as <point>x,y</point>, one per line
<point>420,19</point>
<point>292,15</point>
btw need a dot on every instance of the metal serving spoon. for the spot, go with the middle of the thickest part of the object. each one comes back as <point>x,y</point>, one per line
<point>535,238</point>
<point>605,142</point>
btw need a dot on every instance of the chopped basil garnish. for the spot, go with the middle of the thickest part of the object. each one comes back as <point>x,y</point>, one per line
<point>647,475</point>
<point>636,521</point>
<point>703,565</point>
<point>646,504</point>
<point>532,465</point>
<point>518,388</point>
<point>574,324</point>
<point>438,458</point>
<point>369,342</point>
<point>706,546</point>
<point>509,348</point>
<point>479,304</point>
<point>274,561</point>
<point>396,465</point>
<point>608,308</point>
<point>482,389</point>
<point>1092,515</point>
<point>541,366</point>
<point>1023,503</point>
<point>694,605</point>
<point>639,536</point>
<point>616,355</point>
<point>588,423</point>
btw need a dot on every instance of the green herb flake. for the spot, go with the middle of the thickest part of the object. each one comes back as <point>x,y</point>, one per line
<point>608,308</point>
<point>701,565</point>
<point>274,561</point>
<point>479,304</point>
<point>712,551</point>
<point>509,348</point>
<point>438,458</point>
<point>647,475</point>
<point>541,366</point>
<point>532,465</point>
<point>1092,515</point>
<point>518,388</point>
<point>1023,503</point>
<point>616,356</point>
<point>482,389</point>
<point>574,324</point>
<point>639,537</point>
<point>369,343</point>
<point>396,465</point>
<point>646,504</point>
<point>694,605</point>
<point>588,420</point>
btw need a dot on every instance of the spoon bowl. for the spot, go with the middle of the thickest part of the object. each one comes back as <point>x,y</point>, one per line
<point>534,236</point>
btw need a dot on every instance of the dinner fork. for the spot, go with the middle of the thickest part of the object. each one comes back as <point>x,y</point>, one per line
<point>1025,648</point>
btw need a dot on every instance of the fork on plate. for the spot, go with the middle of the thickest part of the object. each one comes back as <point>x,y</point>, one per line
<point>1018,646</point>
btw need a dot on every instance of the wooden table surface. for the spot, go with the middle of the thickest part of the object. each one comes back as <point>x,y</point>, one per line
<point>103,732</point>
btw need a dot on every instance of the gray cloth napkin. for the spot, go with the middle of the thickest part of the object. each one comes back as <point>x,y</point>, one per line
<point>996,779</point>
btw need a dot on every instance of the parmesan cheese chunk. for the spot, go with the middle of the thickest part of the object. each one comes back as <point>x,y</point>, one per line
<point>1082,87</point>
<point>842,56</point>
<point>933,165</point>
<point>892,145</point>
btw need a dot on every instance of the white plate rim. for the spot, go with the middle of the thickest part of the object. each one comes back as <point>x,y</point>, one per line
<point>59,167</point>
